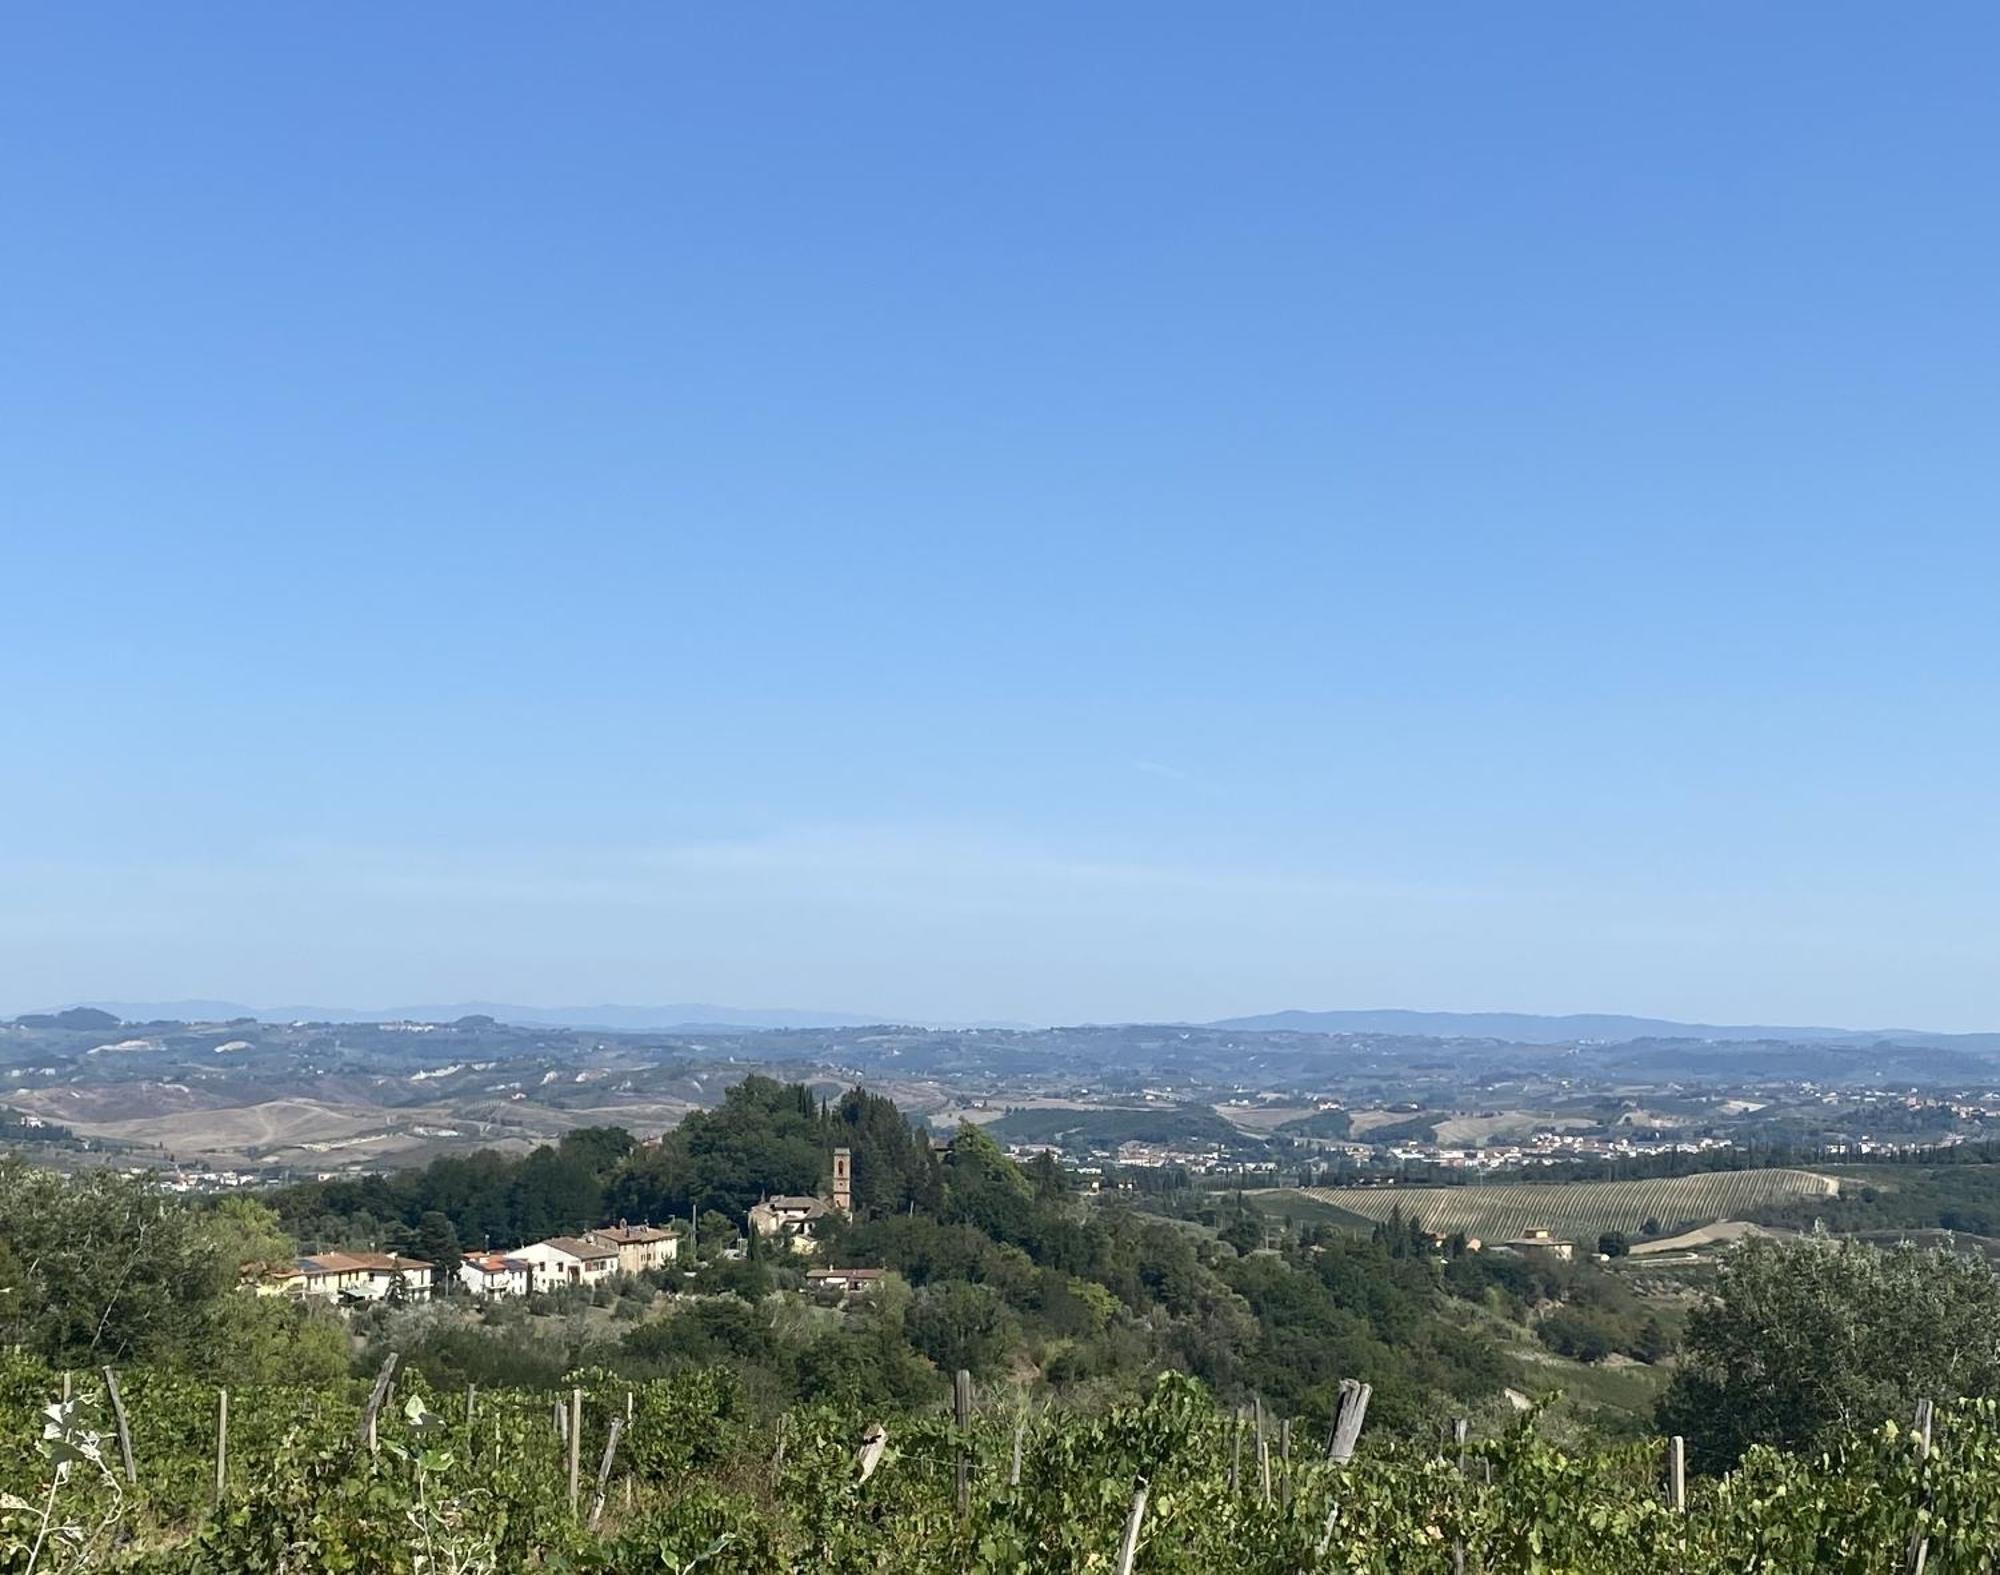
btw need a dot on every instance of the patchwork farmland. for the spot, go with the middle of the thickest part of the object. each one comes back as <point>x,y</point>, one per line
<point>1577,1210</point>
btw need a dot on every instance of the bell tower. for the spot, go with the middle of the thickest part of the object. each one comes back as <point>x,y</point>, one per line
<point>843,1180</point>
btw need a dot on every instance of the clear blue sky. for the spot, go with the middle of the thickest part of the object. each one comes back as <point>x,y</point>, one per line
<point>1032,511</point>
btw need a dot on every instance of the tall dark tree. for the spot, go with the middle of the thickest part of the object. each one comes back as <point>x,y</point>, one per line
<point>435,1240</point>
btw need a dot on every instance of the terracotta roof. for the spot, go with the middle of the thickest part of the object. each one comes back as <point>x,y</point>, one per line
<point>845,1274</point>
<point>633,1235</point>
<point>812,1208</point>
<point>358,1263</point>
<point>577,1247</point>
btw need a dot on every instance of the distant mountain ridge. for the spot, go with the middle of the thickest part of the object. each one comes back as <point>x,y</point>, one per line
<point>619,1019</point>
<point>1510,1027</point>
<point>1531,1028</point>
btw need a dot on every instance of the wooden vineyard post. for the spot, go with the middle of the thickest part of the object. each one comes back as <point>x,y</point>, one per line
<point>1128,1545</point>
<point>1349,1411</point>
<point>1920,1545</point>
<point>1285,1465</point>
<point>375,1399</point>
<point>1236,1452</point>
<point>1459,1431</point>
<point>66,1386</point>
<point>604,1470</point>
<point>1348,1414</point>
<point>221,1442</point>
<point>1263,1451</point>
<point>471,1394</point>
<point>961,1412</point>
<point>1020,1437</point>
<point>124,1430</point>
<point>1677,1478</point>
<point>628,1469</point>
<point>575,1446</point>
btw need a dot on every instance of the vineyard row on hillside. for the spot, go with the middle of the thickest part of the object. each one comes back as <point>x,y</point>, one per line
<point>1580,1210</point>
<point>484,1483</point>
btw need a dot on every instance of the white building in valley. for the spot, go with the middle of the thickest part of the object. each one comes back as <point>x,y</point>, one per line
<point>568,1260</point>
<point>495,1274</point>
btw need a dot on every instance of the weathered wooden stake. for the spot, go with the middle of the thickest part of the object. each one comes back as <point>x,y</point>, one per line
<point>961,1411</point>
<point>1263,1451</point>
<point>1285,1463</point>
<point>1020,1437</point>
<point>1920,1545</point>
<point>1236,1451</point>
<point>471,1395</point>
<point>1128,1545</point>
<point>375,1399</point>
<point>1326,1535</point>
<point>66,1386</point>
<point>628,1472</point>
<point>124,1431</point>
<point>604,1470</point>
<point>221,1442</point>
<point>1349,1413</point>
<point>575,1445</point>
<point>1677,1475</point>
<point>1460,1428</point>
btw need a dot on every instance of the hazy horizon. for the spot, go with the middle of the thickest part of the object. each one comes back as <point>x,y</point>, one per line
<point>637,1015</point>
<point>1052,515</point>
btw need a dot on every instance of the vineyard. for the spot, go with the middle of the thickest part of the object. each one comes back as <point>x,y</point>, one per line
<point>478,1483</point>
<point>1580,1210</point>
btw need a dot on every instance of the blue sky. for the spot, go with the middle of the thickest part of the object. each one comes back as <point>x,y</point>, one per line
<point>1045,512</point>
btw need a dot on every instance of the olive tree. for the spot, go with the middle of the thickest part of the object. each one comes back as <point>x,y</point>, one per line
<point>1807,1338</point>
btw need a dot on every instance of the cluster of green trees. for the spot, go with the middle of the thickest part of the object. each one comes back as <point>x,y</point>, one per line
<point>96,1269</point>
<point>997,1268</point>
<point>1959,1193</point>
<point>1106,1128</point>
<point>1577,1309</point>
<point>764,1138</point>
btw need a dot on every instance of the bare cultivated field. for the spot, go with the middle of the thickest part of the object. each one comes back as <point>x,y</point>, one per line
<point>1504,1126</point>
<point>1706,1236</point>
<point>1262,1119</point>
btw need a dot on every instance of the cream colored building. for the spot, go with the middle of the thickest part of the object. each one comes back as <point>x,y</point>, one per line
<point>640,1247</point>
<point>351,1277</point>
<point>795,1221</point>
